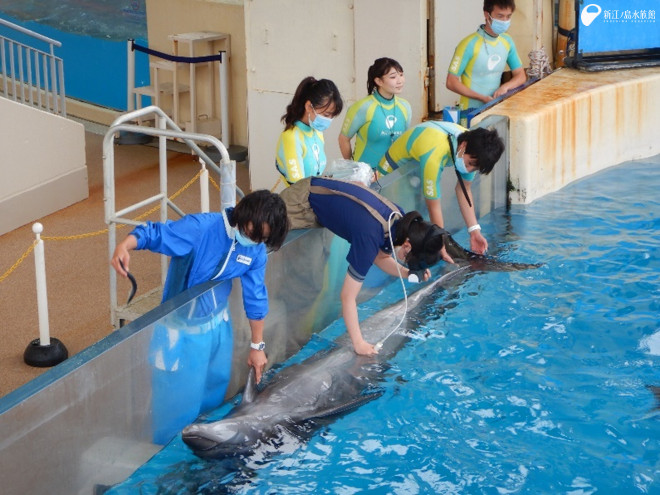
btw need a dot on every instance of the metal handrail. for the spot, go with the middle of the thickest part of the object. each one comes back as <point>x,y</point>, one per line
<point>165,128</point>
<point>54,99</point>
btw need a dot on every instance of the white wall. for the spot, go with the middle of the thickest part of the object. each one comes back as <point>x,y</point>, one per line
<point>288,40</point>
<point>43,165</point>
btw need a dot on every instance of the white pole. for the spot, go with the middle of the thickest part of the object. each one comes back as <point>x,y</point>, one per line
<point>42,295</point>
<point>204,188</point>
<point>228,184</point>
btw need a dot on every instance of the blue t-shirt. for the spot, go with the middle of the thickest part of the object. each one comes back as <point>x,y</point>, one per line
<point>344,212</point>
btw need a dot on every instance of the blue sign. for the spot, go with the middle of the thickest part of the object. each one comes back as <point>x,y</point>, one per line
<point>615,25</point>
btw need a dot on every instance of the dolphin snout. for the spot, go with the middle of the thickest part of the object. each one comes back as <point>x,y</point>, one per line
<point>216,439</point>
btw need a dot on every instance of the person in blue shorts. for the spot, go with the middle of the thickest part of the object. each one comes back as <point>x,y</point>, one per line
<point>218,246</point>
<point>379,118</point>
<point>476,69</point>
<point>301,146</point>
<point>372,225</point>
<point>435,145</point>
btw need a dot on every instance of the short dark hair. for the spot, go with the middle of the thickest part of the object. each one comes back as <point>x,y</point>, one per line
<point>485,145</point>
<point>425,240</point>
<point>503,4</point>
<point>261,207</point>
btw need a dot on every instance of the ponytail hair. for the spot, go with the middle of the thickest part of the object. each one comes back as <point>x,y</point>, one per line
<point>378,69</point>
<point>320,92</point>
<point>426,240</point>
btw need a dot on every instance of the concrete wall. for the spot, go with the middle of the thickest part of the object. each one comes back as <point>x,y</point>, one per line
<point>166,17</point>
<point>338,40</point>
<point>572,124</point>
<point>43,165</point>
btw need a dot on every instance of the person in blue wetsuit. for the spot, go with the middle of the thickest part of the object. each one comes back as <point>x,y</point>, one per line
<point>301,147</point>
<point>476,69</point>
<point>366,220</point>
<point>218,246</point>
<point>379,118</point>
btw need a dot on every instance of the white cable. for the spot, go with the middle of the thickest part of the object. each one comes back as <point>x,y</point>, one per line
<point>379,345</point>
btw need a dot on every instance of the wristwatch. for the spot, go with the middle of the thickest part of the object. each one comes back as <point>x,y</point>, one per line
<point>258,347</point>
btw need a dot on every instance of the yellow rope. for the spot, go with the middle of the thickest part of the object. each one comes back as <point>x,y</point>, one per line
<point>98,232</point>
<point>138,218</point>
<point>20,260</point>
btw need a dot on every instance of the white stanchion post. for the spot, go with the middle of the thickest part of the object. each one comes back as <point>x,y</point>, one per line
<point>204,188</point>
<point>42,293</point>
<point>44,351</point>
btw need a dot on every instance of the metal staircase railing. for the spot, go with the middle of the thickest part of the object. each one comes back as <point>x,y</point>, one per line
<point>31,76</point>
<point>165,128</point>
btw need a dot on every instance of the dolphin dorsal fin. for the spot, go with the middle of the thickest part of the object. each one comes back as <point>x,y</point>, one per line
<point>250,391</point>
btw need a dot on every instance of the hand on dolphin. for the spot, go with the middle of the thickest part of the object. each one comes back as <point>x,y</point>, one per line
<point>364,348</point>
<point>478,242</point>
<point>258,360</point>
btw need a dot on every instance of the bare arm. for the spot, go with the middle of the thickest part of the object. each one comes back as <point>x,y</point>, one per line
<point>349,293</point>
<point>257,359</point>
<point>345,147</point>
<point>478,242</point>
<point>121,254</point>
<point>519,78</point>
<point>454,84</point>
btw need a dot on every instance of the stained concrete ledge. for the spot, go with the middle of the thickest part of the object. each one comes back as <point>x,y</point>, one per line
<point>572,124</point>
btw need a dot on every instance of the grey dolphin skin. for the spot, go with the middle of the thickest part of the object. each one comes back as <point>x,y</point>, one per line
<point>328,383</point>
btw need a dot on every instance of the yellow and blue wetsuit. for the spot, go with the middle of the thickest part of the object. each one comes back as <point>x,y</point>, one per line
<point>300,152</point>
<point>480,60</point>
<point>376,123</point>
<point>427,144</point>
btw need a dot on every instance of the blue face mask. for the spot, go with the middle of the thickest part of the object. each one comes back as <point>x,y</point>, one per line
<point>243,240</point>
<point>499,26</point>
<point>460,165</point>
<point>320,122</point>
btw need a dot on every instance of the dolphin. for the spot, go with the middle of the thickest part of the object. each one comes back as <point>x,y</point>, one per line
<point>330,382</point>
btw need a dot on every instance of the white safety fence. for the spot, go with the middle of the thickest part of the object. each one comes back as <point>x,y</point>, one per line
<point>29,75</point>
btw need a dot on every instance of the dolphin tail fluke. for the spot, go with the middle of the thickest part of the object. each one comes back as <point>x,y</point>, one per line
<point>346,406</point>
<point>250,391</point>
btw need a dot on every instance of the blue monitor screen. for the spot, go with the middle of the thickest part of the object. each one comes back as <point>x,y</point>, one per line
<point>616,25</point>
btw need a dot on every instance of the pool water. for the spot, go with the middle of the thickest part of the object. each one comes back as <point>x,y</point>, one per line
<point>514,382</point>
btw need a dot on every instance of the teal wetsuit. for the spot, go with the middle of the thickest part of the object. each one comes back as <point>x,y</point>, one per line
<point>300,153</point>
<point>480,60</point>
<point>376,123</point>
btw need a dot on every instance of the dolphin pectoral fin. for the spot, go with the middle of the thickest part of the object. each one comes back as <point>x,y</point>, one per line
<point>250,391</point>
<point>346,406</point>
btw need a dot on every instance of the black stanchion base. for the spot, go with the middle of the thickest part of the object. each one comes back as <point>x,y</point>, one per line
<point>45,356</point>
<point>126,137</point>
